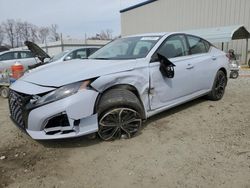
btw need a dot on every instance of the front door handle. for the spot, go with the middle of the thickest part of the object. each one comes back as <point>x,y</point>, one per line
<point>190,66</point>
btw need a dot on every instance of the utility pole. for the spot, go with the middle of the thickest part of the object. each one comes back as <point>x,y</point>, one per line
<point>62,46</point>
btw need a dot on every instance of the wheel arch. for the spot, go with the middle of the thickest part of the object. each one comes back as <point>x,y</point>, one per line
<point>128,87</point>
<point>223,70</point>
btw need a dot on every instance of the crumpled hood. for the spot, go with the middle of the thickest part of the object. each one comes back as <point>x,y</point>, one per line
<point>63,73</point>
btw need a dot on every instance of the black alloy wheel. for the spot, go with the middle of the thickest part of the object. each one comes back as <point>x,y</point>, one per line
<point>119,122</point>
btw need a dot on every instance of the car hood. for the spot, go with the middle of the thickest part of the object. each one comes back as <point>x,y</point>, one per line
<point>36,50</point>
<point>63,73</point>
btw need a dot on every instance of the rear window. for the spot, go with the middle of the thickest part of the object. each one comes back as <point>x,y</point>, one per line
<point>92,50</point>
<point>24,55</point>
<point>198,45</point>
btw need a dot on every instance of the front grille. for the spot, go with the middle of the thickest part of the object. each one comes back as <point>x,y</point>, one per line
<point>17,102</point>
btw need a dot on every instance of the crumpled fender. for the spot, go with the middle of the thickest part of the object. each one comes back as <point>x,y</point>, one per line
<point>137,78</point>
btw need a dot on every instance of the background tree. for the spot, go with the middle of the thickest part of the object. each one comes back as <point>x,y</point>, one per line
<point>54,36</point>
<point>106,35</point>
<point>1,35</point>
<point>9,28</point>
<point>103,35</point>
<point>43,34</point>
<point>34,33</point>
<point>18,32</point>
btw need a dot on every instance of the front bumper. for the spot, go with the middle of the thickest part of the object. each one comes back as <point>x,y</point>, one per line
<point>88,125</point>
<point>66,118</point>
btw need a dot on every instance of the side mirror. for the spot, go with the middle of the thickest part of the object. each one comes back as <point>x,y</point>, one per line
<point>166,66</point>
<point>67,58</point>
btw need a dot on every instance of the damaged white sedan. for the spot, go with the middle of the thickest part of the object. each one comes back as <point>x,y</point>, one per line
<point>119,86</point>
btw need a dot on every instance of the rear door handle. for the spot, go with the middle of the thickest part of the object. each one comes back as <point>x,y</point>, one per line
<point>214,58</point>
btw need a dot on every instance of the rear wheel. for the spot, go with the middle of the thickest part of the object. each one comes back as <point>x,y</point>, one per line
<point>234,74</point>
<point>4,92</point>
<point>119,114</point>
<point>219,86</point>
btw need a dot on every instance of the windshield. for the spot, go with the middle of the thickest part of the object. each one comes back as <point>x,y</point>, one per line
<point>127,48</point>
<point>58,56</point>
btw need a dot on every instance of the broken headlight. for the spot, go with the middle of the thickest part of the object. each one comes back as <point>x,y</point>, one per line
<point>62,92</point>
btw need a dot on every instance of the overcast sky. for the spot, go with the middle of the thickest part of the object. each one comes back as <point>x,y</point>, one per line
<point>74,17</point>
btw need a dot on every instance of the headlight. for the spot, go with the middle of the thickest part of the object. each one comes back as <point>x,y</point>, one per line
<point>62,92</point>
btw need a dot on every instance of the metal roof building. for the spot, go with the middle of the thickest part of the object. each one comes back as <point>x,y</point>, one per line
<point>188,15</point>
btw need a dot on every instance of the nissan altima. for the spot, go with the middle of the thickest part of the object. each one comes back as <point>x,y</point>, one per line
<point>118,87</point>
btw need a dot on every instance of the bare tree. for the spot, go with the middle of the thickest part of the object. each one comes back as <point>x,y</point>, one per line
<point>103,35</point>
<point>18,32</point>
<point>1,35</point>
<point>53,32</point>
<point>33,33</point>
<point>15,32</point>
<point>106,35</point>
<point>26,31</point>
<point>9,28</point>
<point>43,34</point>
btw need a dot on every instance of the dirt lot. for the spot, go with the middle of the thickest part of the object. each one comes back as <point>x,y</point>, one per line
<point>198,144</point>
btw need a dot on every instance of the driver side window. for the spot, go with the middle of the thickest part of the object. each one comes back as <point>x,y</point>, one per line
<point>81,54</point>
<point>174,46</point>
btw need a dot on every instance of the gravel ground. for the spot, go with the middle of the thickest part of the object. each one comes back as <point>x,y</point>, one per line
<point>198,144</point>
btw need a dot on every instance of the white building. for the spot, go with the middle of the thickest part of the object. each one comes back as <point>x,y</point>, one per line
<point>181,15</point>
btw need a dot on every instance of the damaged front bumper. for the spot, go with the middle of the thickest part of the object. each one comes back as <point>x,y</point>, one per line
<point>66,118</point>
<point>87,126</point>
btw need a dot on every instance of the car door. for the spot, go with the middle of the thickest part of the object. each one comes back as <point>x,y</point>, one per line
<point>166,91</point>
<point>202,60</point>
<point>8,59</point>
<point>26,58</point>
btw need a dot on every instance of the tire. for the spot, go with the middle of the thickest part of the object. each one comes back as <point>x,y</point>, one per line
<point>119,114</point>
<point>219,86</point>
<point>234,74</point>
<point>4,92</point>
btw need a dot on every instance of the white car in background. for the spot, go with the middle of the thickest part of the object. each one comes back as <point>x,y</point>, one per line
<point>119,86</point>
<point>77,53</point>
<point>9,58</point>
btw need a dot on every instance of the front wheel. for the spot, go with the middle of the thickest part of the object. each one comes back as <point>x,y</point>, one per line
<point>219,86</point>
<point>119,114</point>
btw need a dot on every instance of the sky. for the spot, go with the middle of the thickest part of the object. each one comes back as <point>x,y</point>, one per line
<point>74,18</point>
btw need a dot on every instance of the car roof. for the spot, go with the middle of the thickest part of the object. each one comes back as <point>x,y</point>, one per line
<point>13,51</point>
<point>148,35</point>
<point>156,34</point>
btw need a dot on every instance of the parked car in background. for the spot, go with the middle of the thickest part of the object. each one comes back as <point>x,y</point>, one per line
<point>9,58</point>
<point>119,86</point>
<point>77,53</point>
